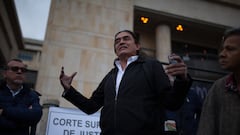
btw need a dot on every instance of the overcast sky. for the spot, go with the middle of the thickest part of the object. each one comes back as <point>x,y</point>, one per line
<point>33,16</point>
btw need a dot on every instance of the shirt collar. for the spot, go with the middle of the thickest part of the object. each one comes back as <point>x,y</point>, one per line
<point>130,60</point>
<point>15,92</point>
<point>231,84</point>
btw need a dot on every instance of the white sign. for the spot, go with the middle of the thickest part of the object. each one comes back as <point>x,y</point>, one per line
<point>65,121</point>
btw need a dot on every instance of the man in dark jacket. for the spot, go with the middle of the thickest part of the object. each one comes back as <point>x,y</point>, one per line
<point>133,94</point>
<point>19,105</point>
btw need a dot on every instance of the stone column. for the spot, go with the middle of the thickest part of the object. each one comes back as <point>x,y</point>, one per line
<point>163,45</point>
<point>79,36</point>
<point>163,42</point>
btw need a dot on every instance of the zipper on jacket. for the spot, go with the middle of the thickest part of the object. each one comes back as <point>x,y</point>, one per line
<point>115,113</point>
<point>115,103</point>
<point>116,95</point>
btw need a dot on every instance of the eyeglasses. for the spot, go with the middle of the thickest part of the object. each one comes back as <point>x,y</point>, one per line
<point>16,69</point>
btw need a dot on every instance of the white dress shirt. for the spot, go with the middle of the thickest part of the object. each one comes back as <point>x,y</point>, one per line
<point>121,71</point>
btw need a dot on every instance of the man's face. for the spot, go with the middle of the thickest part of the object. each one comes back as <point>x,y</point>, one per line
<point>229,57</point>
<point>125,45</point>
<point>15,73</point>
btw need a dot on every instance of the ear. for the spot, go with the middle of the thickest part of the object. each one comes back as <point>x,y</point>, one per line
<point>4,74</point>
<point>138,46</point>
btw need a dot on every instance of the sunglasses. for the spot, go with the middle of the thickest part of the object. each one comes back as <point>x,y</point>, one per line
<point>16,69</point>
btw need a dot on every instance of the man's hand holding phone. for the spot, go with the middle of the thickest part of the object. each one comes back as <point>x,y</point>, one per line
<point>176,66</point>
<point>171,59</point>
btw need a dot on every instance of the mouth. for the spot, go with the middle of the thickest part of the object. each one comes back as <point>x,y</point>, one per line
<point>222,62</point>
<point>122,47</point>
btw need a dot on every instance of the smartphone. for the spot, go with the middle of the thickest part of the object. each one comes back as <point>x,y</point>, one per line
<point>171,60</point>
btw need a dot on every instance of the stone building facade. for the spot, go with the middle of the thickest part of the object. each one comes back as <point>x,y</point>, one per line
<point>80,34</point>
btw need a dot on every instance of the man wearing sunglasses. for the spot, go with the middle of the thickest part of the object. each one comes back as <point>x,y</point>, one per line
<point>19,105</point>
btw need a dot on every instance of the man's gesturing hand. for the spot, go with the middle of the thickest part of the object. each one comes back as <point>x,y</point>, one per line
<point>66,80</point>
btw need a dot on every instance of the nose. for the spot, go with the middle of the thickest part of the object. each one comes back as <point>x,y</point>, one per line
<point>19,71</point>
<point>222,53</point>
<point>121,41</point>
